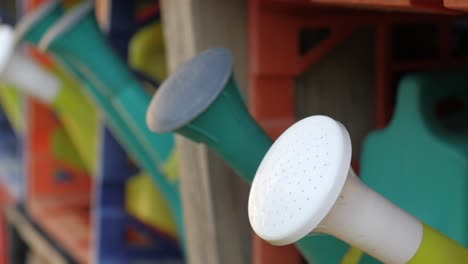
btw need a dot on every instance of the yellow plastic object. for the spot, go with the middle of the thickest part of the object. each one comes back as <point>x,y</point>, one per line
<point>79,117</point>
<point>145,202</point>
<point>63,149</point>
<point>147,55</point>
<point>147,52</point>
<point>438,248</point>
<point>11,100</point>
<point>63,146</point>
<point>353,256</point>
<point>435,248</point>
<point>171,167</point>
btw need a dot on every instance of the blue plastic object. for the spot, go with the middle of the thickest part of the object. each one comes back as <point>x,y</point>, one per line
<point>111,216</point>
<point>113,220</point>
<point>11,169</point>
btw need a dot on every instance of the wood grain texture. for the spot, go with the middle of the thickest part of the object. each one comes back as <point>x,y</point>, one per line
<point>342,86</point>
<point>214,198</point>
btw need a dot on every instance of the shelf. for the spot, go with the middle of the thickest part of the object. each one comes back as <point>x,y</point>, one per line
<point>414,6</point>
<point>456,4</point>
<point>427,65</point>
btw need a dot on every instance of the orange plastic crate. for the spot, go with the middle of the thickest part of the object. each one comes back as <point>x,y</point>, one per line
<point>58,197</point>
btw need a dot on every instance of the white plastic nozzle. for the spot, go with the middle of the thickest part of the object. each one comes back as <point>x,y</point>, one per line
<point>305,184</point>
<point>23,72</point>
<point>33,80</point>
<point>7,45</point>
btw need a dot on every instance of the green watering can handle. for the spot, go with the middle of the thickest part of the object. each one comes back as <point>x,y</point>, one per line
<point>418,102</point>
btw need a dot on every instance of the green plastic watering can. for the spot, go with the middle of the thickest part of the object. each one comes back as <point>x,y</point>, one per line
<point>120,96</point>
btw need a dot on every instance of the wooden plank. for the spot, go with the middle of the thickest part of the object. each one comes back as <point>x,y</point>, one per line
<point>32,237</point>
<point>214,198</point>
<point>215,201</point>
<point>342,86</point>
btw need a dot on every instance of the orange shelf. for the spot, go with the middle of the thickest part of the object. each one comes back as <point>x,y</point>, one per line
<point>388,68</point>
<point>418,6</point>
<point>456,4</point>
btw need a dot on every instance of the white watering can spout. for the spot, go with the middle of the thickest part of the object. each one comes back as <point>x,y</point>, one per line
<point>305,185</point>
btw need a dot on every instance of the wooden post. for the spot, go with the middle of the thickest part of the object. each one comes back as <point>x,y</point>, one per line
<point>214,198</point>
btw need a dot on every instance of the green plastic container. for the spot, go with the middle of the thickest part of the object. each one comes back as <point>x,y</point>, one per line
<point>420,161</point>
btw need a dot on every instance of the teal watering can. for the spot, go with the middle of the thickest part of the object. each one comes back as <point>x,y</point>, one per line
<point>120,96</point>
<point>214,113</point>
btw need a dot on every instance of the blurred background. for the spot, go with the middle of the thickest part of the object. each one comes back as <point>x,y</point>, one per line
<point>83,179</point>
